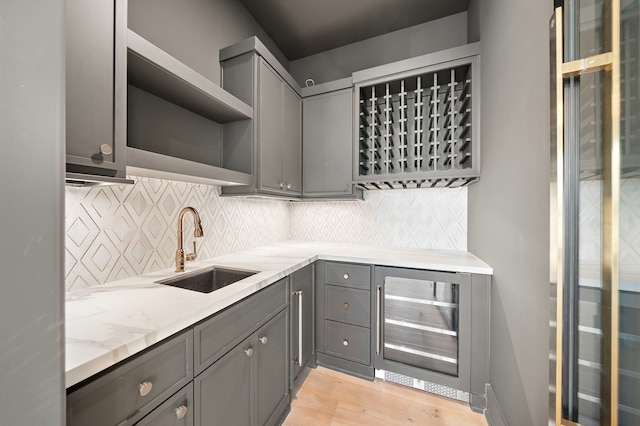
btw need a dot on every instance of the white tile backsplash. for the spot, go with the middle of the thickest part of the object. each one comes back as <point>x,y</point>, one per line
<point>115,232</point>
<point>434,218</point>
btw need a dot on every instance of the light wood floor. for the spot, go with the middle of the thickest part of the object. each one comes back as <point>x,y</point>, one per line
<point>329,398</point>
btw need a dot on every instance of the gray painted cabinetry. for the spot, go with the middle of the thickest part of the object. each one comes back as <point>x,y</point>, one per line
<point>242,363</point>
<point>95,88</point>
<point>133,389</point>
<point>270,146</point>
<point>301,326</point>
<point>232,368</point>
<point>327,133</point>
<point>343,317</point>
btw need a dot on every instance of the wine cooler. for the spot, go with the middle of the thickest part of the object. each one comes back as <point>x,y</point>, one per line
<point>423,329</point>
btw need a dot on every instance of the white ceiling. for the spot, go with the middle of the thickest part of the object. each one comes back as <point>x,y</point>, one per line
<point>305,27</point>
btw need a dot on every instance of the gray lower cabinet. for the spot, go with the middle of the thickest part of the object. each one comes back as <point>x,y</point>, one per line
<point>96,87</point>
<point>249,385</point>
<point>301,327</point>
<point>242,361</point>
<point>434,326</point>
<point>343,317</point>
<point>327,133</point>
<point>128,392</point>
<point>270,145</point>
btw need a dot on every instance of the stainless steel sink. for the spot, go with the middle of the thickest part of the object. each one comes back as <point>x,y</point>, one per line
<point>207,280</point>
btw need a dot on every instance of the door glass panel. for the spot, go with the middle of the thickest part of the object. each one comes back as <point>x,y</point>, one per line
<point>629,263</point>
<point>421,323</point>
<point>587,29</point>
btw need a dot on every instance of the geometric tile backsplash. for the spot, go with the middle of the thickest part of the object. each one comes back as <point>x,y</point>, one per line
<point>114,232</point>
<point>434,218</point>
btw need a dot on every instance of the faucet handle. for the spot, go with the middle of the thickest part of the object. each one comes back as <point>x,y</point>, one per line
<point>192,256</point>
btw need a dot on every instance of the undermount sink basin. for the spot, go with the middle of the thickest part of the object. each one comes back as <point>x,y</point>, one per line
<point>207,280</point>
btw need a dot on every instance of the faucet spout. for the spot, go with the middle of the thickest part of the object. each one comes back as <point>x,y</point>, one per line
<point>181,257</point>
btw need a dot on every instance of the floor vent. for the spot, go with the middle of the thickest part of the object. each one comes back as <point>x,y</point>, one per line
<point>424,385</point>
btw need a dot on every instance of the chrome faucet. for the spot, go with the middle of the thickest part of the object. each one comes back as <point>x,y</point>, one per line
<point>181,257</point>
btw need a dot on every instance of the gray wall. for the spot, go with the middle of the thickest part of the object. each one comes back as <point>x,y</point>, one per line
<point>402,44</point>
<point>31,212</point>
<point>509,208</point>
<point>193,31</point>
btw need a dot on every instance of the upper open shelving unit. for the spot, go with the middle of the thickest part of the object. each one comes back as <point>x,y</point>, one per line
<point>155,71</point>
<point>174,119</point>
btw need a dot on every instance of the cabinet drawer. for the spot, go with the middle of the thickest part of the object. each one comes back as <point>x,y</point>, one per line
<point>116,397</point>
<point>348,275</point>
<point>348,341</point>
<point>176,411</point>
<point>218,335</point>
<point>347,305</point>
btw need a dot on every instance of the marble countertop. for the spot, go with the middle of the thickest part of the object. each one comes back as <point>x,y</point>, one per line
<point>108,323</point>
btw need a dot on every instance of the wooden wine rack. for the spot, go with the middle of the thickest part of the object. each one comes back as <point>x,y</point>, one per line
<point>417,128</point>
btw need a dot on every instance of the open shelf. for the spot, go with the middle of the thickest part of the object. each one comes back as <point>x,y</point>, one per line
<point>152,164</point>
<point>155,71</point>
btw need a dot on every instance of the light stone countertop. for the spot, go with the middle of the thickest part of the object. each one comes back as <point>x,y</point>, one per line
<point>108,323</point>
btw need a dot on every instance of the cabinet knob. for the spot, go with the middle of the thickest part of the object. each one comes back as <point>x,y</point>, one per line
<point>281,185</point>
<point>345,342</point>
<point>144,388</point>
<point>249,352</point>
<point>263,340</point>
<point>181,411</point>
<point>346,306</point>
<point>345,276</point>
<point>105,149</point>
<point>346,188</point>
<point>288,186</point>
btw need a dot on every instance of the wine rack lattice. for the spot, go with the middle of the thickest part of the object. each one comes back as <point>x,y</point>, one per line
<point>416,131</point>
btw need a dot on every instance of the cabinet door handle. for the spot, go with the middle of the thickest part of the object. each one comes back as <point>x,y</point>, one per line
<point>299,294</point>
<point>281,185</point>
<point>144,388</point>
<point>263,340</point>
<point>249,352</point>
<point>105,149</point>
<point>288,186</point>
<point>378,313</point>
<point>181,411</point>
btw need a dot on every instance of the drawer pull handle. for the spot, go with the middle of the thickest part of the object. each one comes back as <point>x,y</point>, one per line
<point>345,342</point>
<point>346,306</point>
<point>345,276</point>
<point>249,352</point>
<point>181,411</point>
<point>144,388</point>
<point>263,340</point>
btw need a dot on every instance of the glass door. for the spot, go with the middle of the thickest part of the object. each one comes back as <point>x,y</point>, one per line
<point>595,217</point>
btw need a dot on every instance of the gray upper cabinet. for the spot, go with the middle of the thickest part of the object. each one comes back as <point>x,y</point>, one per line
<point>269,146</point>
<point>327,132</point>
<point>95,88</point>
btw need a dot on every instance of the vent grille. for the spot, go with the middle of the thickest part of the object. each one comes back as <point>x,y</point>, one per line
<point>423,385</point>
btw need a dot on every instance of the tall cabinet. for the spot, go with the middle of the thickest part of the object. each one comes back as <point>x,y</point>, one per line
<point>270,146</point>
